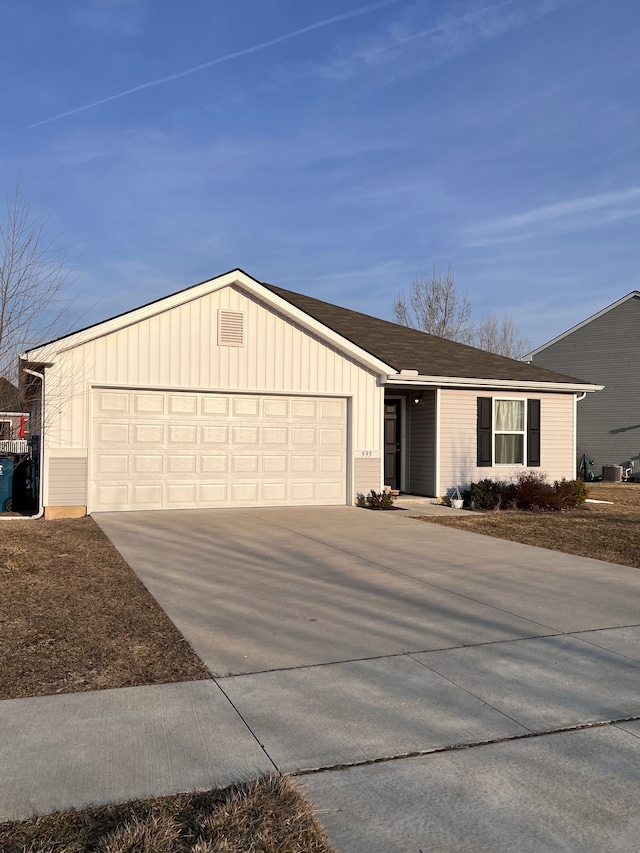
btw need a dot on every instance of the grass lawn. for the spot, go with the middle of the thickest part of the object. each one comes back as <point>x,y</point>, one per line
<point>73,616</point>
<point>268,816</point>
<point>602,531</point>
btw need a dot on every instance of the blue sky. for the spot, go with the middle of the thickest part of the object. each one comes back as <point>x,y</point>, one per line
<point>335,149</point>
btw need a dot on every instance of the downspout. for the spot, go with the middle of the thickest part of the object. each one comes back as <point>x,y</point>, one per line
<point>576,400</point>
<point>40,512</point>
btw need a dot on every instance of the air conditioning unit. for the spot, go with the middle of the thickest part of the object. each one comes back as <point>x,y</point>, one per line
<point>612,473</point>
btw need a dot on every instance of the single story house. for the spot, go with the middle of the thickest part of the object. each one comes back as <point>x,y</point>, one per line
<point>238,393</point>
<point>604,348</point>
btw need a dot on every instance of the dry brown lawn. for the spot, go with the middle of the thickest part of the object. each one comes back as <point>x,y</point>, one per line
<point>74,616</point>
<point>267,816</point>
<point>609,532</point>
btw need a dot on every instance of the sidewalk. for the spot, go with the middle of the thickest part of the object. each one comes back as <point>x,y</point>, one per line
<point>80,749</point>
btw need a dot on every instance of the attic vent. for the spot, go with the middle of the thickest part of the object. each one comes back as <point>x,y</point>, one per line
<point>230,328</point>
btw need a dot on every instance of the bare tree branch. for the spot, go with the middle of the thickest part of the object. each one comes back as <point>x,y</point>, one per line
<point>434,306</point>
<point>500,336</point>
<point>34,270</point>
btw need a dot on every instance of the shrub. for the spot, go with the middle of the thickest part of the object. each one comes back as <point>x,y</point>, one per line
<point>530,490</point>
<point>485,494</point>
<point>376,500</point>
<point>571,493</point>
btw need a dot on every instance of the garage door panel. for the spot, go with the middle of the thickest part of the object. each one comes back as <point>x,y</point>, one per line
<point>214,464</point>
<point>149,403</point>
<point>274,464</point>
<point>274,493</point>
<point>215,435</point>
<point>114,403</point>
<point>114,433</point>
<point>183,494</point>
<point>148,464</point>
<point>166,449</point>
<point>146,434</point>
<point>146,495</point>
<point>215,406</point>
<point>275,408</point>
<point>183,404</point>
<point>213,494</point>
<point>243,406</point>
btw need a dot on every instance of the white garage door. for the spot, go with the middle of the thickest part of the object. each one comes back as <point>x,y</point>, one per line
<point>169,450</point>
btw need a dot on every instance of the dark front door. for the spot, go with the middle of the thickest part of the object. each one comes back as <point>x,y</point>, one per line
<point>392,444</point>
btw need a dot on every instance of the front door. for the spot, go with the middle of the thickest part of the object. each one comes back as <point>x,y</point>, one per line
<point>392,444</point>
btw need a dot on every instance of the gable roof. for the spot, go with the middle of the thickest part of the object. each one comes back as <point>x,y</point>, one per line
<point>383,346</point>
<point>410,349</point>
<point>635,294</point>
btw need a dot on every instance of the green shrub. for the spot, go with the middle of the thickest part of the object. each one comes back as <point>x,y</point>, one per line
<point>376,500</point>
<point>485,495</point>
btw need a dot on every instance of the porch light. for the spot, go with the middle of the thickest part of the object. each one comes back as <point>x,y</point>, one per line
<point>417,398</point>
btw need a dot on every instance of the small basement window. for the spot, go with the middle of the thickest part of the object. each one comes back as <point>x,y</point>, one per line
<point>230,328</point>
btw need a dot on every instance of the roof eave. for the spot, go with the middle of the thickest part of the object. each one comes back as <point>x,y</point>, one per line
<point>484,384</point>
<point>49,351</point>
<point>530,355</point>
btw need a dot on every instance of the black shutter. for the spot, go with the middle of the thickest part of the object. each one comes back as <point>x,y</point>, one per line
<point>485,455</point>
<point>533,433</point>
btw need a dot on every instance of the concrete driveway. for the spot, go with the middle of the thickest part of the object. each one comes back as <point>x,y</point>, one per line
<point>459,692</point>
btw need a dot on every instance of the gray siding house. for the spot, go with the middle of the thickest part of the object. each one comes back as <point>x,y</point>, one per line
<point>604,349</point>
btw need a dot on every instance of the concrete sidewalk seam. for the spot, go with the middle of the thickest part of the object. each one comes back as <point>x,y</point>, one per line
<point>249,729</point>
<point>461,747</point>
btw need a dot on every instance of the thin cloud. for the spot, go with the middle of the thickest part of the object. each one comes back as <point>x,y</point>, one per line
<point>574,207</point>
<point>336,19</point>
<point>446,39</point>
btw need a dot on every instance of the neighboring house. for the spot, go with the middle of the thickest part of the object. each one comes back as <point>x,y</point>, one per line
<point>604,349</point>
<point>237,393</point>
<point>14,421</point>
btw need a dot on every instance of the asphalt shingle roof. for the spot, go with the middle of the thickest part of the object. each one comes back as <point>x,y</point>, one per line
<point>409,349</point>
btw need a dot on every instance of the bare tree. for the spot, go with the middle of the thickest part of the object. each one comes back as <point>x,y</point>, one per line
<point>501,337</point>
<point>434,306</point>
<point>34,270</point>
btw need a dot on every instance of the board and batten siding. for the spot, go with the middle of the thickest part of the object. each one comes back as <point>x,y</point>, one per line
<point>422,443</point>
<point>605,351</point>
<point>178,349</point>
<point>458,438</point>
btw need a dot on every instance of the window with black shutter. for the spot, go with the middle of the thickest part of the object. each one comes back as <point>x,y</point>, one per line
<point>533,433</point>
<point>485,432</point>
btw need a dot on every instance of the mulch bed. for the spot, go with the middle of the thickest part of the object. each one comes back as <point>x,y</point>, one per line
<point>74,616</point>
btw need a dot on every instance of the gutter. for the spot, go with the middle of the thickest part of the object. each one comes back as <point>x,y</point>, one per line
<point>413,378</point>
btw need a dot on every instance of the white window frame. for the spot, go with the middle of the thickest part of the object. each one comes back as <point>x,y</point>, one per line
<point>522,432</point>
<point>9,427</point>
